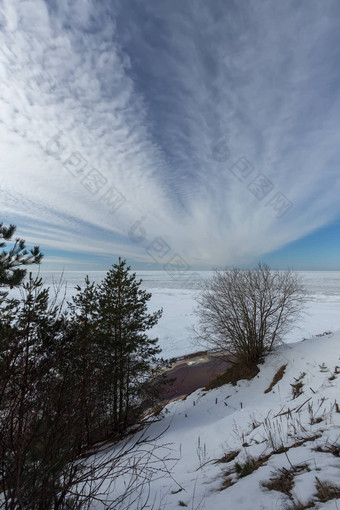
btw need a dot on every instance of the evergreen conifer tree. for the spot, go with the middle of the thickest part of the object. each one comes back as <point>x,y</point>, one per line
<point>86,355</point>
<point>131,356</point>
<point>11,261</point>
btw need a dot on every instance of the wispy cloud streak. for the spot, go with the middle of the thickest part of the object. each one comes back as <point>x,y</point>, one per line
<point>143,93</point>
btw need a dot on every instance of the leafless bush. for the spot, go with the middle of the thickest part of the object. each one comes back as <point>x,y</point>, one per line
<point>248,312</point>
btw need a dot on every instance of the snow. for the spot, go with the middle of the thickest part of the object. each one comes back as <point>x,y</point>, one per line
<point>178,300</point>
<point>177,297</point>
<point>206,425</point>
<point>197,431</point>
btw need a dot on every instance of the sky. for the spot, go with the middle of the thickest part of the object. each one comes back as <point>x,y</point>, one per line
<point>177,135</point>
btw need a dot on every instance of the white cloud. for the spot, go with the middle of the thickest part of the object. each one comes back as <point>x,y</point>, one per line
<point>144,105</point>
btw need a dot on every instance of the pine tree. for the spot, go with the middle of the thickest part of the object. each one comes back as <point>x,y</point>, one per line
<point>11,272</point>
<point>56,386</point>
<point>86,354</point>
<point>131,354</point>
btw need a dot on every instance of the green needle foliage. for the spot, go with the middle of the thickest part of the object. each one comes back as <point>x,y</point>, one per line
<point>124,321</point>
<point>111,322</point>
<point>12,260</point>
<point>70,378</point>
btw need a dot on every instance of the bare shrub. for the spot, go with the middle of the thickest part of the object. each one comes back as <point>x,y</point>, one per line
<point>248,312</point>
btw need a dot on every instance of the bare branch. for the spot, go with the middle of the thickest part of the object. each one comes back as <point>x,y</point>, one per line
<point>248,312</point>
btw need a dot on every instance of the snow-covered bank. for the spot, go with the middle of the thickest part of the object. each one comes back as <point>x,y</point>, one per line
<point>286,438</point>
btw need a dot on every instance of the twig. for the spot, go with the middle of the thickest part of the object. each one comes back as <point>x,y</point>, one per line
<point>298,409</point>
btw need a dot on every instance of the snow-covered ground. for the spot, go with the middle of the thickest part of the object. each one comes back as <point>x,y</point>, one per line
<point>210,439</point>
<point>177,298</point>
<point>287,440</point>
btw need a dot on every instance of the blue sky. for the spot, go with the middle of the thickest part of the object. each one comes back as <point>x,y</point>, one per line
<point>194,133</point>
<point>317,251</point>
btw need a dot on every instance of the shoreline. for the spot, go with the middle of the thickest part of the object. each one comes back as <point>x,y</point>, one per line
<point>192,372</point>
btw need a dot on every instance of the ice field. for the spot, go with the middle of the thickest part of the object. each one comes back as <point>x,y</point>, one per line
<point>176,295</point>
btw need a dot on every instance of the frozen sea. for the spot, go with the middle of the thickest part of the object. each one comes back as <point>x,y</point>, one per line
<point>176,295</point>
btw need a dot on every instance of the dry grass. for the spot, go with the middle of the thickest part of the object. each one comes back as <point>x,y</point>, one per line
<point>283,482</point>
<point>300,506</point>
<point>326,491</point>
<point>298,385</point>
<point>277,377</point>
<point>233,374</point>
<point>305,440</point>
<point>334,449</point>
<point>228,457</point>
<point>178,490</point>
<point>242,470</point>
<point>250,465</point>
<point>228,482</point>
<point>313,421</point>
<point>297,389</point>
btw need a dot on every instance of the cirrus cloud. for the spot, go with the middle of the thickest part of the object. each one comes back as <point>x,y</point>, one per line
<point>135,99</point>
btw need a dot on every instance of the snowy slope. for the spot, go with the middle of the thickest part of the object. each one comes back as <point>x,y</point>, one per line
<point>292,442</point>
